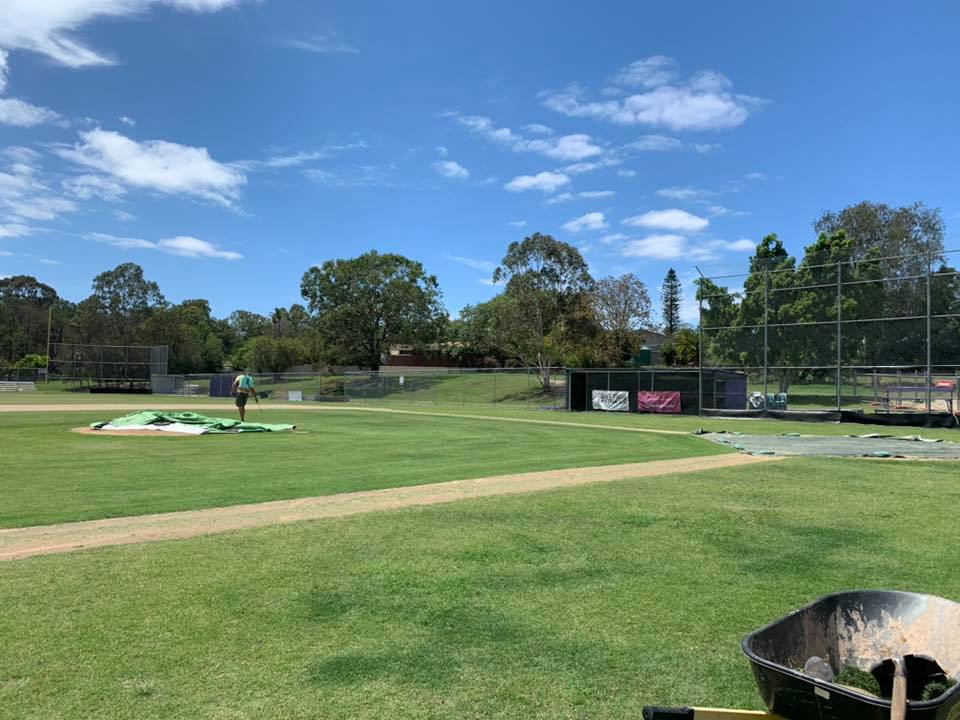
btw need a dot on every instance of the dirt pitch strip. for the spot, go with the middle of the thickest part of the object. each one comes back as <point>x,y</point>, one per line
<point>18,543</point>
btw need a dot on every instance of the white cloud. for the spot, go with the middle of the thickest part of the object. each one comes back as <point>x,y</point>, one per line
<point>485,265</point>
<point>741,245</point>
<point>22,114</point>
<point>672,247</point>
<point>585,167</point>
<point>182,245</point>
<point>48,26</point>
<point>489,282</point>
<point>451,169</point>
<point>517,223</point>
<point>328,43</point>
<point>538,129</point>
<point>720,210</point>
<point>123,216</point>
<point>627,173</point>
<point>10,230</point>
<point>756,176</point>
<point>39,207</point>
<point>126,120</point>
<point>5,253</point>
<point>577,146</point>
<point>585,195</point>
<point>4,70</point>
<point>650,72</point>
<point>547,182</point>
<point>158,165</point>
<point>194,248</point>
<point>614,238</point>
<point>705,148</point>
<point>48,261</point>
<point>558,199</point>
<point>655,143</point>
<point>441,151</point>
<point>359,176</point>
<point>684,193</point>
<point>565,148</point>
<point>296,159</point>
<point>589,221</point>
<point>659,247</point>
<point>88,186</point>
<point>22,155</point>
<point>673,219</point>
<point>705,102</point>
<point>126,243</point>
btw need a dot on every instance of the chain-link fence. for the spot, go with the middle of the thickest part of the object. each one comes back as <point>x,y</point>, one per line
<point>533,388</point>
<point>880,333</point>
<point>287,387</point>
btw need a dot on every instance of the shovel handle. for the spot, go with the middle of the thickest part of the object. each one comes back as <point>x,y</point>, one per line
<point>898,698</point>
<point>656,712</point>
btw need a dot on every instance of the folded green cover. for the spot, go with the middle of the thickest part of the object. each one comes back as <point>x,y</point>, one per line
<point>210,424</point>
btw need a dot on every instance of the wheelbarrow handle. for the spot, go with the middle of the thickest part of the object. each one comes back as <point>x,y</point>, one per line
<point>657,712</point>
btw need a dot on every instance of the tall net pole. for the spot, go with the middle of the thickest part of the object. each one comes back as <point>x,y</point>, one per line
<point>929,333</point>
<point>839,336</point>
<point>766,344</point>
<point>699,355</point>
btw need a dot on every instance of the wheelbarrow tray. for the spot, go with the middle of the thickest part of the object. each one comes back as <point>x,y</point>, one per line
<point>860,628</point>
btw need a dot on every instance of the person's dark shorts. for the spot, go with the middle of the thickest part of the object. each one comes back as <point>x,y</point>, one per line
<point>242,399</point>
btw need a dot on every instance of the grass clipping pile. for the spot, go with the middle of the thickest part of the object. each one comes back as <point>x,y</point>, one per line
<point>156,423</point>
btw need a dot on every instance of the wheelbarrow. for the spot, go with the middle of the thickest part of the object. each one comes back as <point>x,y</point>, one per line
<point>905,640</point>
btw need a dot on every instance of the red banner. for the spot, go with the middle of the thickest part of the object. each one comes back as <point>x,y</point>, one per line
<point>663,401</point>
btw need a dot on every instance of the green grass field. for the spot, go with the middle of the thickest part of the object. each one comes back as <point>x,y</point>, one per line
<point>577,603</point>
<point>79,477</point>
<point>584,603</point>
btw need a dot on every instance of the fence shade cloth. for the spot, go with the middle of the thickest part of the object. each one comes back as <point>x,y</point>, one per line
<point>659,401</point>
<point>191,423</point>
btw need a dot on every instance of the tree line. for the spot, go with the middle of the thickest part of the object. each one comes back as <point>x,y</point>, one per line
<point>550,311</point>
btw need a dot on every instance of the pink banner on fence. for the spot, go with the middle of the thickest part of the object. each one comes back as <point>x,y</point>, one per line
<point>663,401</point>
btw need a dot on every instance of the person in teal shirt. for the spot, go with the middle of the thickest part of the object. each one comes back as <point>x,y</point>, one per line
<point>243,387</point>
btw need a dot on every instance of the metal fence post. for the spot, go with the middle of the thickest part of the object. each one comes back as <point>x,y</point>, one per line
<point>495,371</point>
<point>766,347</point>
<point>929,332</point>
<point>839,338</point>
<point>700,353</point>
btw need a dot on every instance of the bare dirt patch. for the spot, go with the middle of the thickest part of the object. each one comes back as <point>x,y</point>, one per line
<point>17,543</point>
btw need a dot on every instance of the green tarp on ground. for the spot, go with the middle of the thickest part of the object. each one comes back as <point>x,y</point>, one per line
<point>193,423</point>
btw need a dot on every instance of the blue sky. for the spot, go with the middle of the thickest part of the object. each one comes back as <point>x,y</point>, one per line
<point>227,145</point>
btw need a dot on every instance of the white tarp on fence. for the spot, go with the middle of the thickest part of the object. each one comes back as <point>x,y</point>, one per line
<point>611,400</point>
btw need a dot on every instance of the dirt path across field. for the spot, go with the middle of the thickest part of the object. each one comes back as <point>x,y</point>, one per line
<point>17,543</point>
<point>228,409</point>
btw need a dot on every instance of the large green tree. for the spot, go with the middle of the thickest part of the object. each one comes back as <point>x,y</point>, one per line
<point>622,308</point>
<point>366,304</point>
<point>125,298</point>
<point>545,280</point>
<point>671,293</point>
<point>25,304</point>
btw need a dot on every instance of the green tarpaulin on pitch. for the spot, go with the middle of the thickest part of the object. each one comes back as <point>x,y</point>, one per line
<point>198,424</point>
